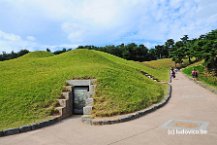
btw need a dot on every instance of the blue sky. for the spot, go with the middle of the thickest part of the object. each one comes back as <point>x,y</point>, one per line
<point>54,24</point>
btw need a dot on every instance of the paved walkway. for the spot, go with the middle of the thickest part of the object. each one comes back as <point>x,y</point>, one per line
<point>189,102</point>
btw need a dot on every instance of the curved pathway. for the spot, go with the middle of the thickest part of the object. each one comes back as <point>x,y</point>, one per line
<point>189,102</point>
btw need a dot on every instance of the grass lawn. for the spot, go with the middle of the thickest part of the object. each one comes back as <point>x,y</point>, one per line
<point>162,67</point>
<point>30,85</point>
<point>204,76</point>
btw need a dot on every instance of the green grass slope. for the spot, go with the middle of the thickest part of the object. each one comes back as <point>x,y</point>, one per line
<point>38,54</point>
<point>31,84</point>
<point>204,76</point>
<point>161,67</point>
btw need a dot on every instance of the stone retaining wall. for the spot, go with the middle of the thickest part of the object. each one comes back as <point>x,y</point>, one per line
<point>65,104</point>
<point>29,127</point>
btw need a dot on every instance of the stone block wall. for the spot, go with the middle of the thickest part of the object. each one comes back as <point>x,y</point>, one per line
<point>65,103</point>
<point>65,107</point>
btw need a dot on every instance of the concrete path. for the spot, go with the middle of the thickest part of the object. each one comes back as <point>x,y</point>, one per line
<point>189,102</point>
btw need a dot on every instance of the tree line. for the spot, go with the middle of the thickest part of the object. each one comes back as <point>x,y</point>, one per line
<point>130,51</point>
<point>7,56</point>
<point>204,47</point>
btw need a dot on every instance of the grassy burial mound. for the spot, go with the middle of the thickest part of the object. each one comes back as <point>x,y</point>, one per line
<point>31,84</point>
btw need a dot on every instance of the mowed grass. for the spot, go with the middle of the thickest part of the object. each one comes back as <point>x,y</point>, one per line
<point>161,67</point>
<point>30,85</point>
<point>204,76</point>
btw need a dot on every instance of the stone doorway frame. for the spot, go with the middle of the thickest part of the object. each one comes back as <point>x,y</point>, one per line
<point>90,83</point>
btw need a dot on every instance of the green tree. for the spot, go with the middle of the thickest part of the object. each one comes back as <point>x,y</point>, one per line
<point>169,44</point>
<point>210,55</point>
<point>159,51</point>
<point>187,47</point>
<point>177,52</point>
<point>48,50</point>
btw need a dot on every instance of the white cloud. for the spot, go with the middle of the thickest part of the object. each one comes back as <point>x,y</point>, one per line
<point>9,37</point>
<point>104,22</point>
<point>12,42</point>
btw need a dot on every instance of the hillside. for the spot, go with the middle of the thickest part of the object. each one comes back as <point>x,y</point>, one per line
<point>31,84</point>
<point>161,67</point>
<point>205,76</point>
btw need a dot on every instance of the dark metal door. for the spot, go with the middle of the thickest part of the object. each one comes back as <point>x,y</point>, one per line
<point>80,95</point>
